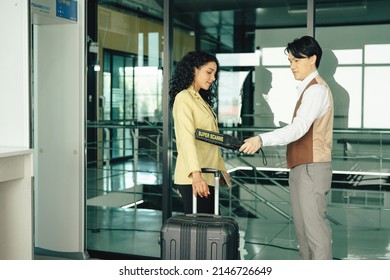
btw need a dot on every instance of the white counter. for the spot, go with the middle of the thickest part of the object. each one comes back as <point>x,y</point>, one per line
<point>16,203</point>
<point>14,151</point>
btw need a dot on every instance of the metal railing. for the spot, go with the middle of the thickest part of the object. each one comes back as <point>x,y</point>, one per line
<point>358,157</point>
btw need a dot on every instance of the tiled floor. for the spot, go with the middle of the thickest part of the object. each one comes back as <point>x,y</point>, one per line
<point>137,232</point>
<point>134,233</point>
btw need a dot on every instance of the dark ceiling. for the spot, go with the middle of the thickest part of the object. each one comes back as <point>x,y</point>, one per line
<point>214,19</point>
<point>360,11</point>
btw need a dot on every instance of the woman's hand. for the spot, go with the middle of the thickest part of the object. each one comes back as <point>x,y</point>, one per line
<point>199,185</point>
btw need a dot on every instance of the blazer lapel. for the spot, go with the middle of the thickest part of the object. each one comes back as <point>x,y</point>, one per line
<point>200,100</point>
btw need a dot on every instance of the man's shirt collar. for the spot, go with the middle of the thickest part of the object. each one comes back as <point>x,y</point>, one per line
<point>302,85</point>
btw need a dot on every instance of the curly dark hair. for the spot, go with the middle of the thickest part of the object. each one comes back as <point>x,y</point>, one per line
<point>184,75</point>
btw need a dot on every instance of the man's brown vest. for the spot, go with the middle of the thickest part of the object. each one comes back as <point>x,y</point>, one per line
<point>316,144</point>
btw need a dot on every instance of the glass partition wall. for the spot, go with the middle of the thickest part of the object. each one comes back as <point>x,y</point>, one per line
<point>256,93</point>
<point>124,183</point>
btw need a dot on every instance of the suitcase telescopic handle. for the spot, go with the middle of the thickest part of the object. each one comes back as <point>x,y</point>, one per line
<point>217,176</point>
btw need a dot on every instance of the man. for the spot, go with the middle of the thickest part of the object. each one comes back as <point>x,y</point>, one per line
<point>309,145</point>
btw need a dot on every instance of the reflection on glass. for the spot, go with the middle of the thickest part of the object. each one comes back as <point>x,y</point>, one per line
<point>148,88</point>
<point>254,98</point>
<point>229,100</point>
<point>153,49</point>
<point>131,93</point>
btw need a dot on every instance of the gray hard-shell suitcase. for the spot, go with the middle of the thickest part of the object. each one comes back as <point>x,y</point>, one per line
<point>200,236</point>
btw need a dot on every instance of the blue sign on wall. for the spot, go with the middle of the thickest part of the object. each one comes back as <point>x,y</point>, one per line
<point>67,9</point>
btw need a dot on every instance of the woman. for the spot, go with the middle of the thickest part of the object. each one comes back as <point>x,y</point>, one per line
<point>193,93</point>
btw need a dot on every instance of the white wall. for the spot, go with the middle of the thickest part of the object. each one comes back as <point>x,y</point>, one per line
<point>14,74</point>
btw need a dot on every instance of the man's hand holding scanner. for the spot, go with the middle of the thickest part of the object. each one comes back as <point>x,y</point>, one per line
<point>251,145</point>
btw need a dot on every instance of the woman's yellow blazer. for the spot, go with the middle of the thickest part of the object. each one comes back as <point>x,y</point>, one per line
<point>190,112</point>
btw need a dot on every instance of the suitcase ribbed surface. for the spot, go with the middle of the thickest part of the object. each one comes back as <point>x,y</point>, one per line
<point>185,241</point>
<point>201,242</point>
<point>200,237</point>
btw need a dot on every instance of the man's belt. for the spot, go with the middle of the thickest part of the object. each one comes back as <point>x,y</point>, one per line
<point>223,140</point>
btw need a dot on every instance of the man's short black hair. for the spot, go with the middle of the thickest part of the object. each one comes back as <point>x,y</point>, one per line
<point>305,46</point>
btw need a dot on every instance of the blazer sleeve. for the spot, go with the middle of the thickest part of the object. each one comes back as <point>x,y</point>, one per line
<point>184,124</point>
